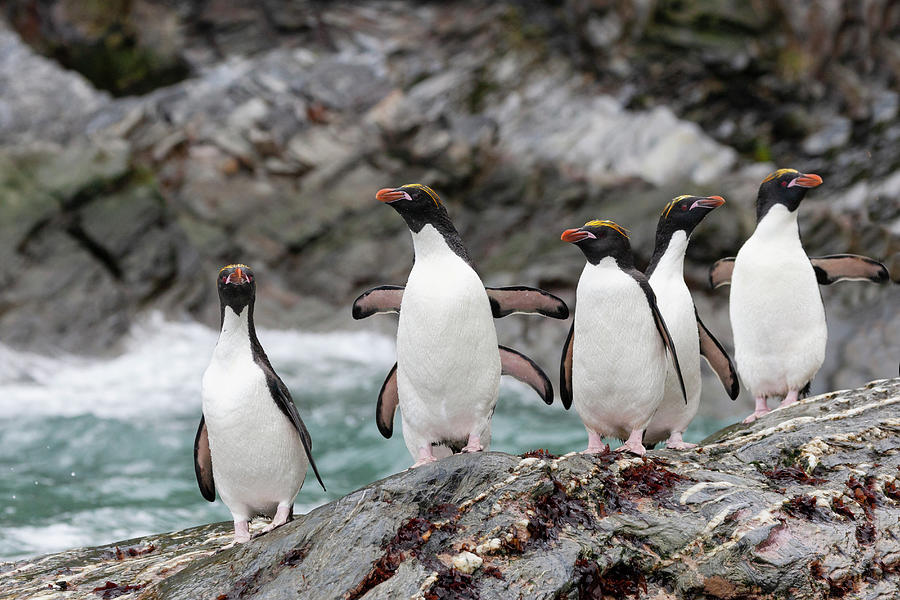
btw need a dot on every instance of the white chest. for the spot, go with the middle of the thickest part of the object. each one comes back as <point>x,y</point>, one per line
<point>776,310</point>
<point>445,315</point>
<point>257,456</point>
<point>448,364</point>
<point>677,308</point>
<point>619,361</point>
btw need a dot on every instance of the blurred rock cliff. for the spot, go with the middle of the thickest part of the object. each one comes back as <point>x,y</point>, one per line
<point>145,143</point>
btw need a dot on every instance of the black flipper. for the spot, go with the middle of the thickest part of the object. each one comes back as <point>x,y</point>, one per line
<point>718,359</point>
<point>527,300</point>
<point>848,267</point>
<point>720,272</point>
<point>388,398</point>
<point>203,462</point>
<point>382,299</point>
<point>565,369</point>
<point>526,370</point>
<point>285,403</point>
<point>663,330</point>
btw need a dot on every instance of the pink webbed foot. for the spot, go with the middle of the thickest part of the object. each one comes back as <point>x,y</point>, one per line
<point>761,410</point>
<point>791,398</point>
<point>676,443</point>
<point>634,443</point>
<point>281,517</point>
<point>595,444</point>
<point>425,457</point>
<point>241,533</point>
<point>473,445</point>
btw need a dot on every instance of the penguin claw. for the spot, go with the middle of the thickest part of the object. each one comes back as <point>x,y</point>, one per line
<point>474,445</point>
<point>680,445</point>
<point>241,533</point>
<point>756,414</point>
<point>596,449</point>
<point>633,448</point>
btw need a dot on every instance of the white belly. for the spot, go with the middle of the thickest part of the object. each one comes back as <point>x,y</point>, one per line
<point>677,308</point>
<point>258,459</point>
<point>448,364</point>
<point>619,360</point>
<point>777,316</point>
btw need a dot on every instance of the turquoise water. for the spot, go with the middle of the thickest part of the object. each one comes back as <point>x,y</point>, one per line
<point>97,451</point>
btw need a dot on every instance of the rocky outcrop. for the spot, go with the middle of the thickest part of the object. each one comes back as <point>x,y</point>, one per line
<point>804,503</point>
<point>527,117</point>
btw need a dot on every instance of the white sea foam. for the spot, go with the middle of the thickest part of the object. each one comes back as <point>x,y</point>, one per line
<point>159,372</point>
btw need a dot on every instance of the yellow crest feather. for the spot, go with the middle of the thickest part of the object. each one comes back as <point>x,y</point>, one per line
<point>610,224</point>
<point>668,207</point>
<point>779,173</point>
<point>234,266</point>
<point>426,189</point>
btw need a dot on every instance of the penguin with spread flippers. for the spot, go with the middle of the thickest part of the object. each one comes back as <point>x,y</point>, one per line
<point>776,309</point>
<point>614,360</point>
<point>692,339</point>
<point>448,362</point>
<point>252,445</point>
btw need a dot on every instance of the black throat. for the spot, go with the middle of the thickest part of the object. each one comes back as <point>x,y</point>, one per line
<point>663,238</point>
<point>438,218</point>
<point>623,256</point>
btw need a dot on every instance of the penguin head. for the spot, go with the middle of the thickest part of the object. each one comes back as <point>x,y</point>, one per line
<point>784,186</point>
<point>418,204</point>
<point>684,213</point>
<point>237,287</point>
<point>599,239</point>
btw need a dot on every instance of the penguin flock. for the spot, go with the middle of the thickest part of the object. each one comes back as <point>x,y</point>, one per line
<point>630,364</point>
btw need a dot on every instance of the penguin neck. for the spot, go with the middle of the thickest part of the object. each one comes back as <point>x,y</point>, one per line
<point>431,242</point>
<point>237,337</point>
<point>668,256</point>
<point>778,223</point>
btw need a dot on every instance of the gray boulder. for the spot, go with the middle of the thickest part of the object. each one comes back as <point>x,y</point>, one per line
<point>803,503</point>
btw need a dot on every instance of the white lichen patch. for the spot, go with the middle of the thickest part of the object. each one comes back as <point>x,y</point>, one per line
<point>530,462</point>
<point>698,487</point>
<point>427,583</point>
<point>466,562</point>
<point>812,451</point>
<point>793,424</point>
<point>824,496</point>
<point>717,520</point>
<point>489,547</point>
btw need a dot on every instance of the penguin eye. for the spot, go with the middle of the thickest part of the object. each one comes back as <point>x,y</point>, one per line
<point>683,207</point>
<point>784,184</point>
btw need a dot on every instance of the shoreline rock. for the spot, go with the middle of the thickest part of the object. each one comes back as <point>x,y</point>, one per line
<point>803,503</point>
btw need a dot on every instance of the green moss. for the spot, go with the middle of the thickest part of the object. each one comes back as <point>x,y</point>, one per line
<point>519,33</point>
<point>118,64</point>
<point>481,89</point>
<point>762,151</point>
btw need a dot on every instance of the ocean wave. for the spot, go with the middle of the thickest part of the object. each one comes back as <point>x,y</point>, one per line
<point>160,369</point>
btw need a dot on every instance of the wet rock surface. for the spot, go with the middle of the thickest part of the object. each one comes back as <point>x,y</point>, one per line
<point>263,132</point>
<point>804,503</point>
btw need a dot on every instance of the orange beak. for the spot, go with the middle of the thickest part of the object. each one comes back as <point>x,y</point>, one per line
<point>390,195</point>
<point>238,277</point>
<point>807,180</point>
<point>709,202</point>
<point>576,235</point>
